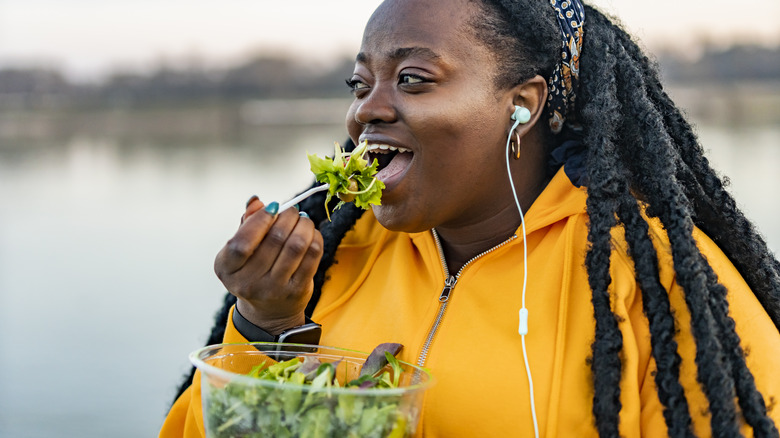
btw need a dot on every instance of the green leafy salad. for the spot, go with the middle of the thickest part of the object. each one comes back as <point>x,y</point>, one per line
<point>350,176</point>
<point>301,401</point>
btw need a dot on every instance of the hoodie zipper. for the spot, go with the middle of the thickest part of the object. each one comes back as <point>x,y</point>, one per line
<point>446,293</point>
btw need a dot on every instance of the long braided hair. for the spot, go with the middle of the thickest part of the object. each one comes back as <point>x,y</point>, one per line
<point>641,153</point>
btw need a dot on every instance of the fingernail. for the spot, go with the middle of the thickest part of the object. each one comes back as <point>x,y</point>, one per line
<point>272,208</point>
<point>297,207</point>
<point>303,214</point>
<point>252,199</point>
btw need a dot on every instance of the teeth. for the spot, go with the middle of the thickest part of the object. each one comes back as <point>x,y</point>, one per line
<point>386,147</point>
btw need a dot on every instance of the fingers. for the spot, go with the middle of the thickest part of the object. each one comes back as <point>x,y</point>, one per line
<point>253,205</point>
<point>270,262</point>
<point>242,245</point>
<point>272,258</point>
<point>275,240</point>
<point>300,244</point>
<point>310,262</point>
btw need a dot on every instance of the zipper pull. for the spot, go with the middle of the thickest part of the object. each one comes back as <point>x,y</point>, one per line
<point>448,285</point>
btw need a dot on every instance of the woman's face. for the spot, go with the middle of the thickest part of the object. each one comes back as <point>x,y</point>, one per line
<point>424,85</point>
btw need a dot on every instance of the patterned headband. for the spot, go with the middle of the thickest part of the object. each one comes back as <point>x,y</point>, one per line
<point>565,78</point>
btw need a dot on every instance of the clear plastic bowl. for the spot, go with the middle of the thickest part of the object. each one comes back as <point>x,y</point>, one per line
<point>236,405</point>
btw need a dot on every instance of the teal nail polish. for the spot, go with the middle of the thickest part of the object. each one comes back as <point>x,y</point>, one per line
<point>252,199</point>
<point>297,207</point>
<point>272,208</point>
<point>303,214</point>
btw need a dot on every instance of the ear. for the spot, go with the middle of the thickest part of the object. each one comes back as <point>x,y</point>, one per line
<point>531,94</point>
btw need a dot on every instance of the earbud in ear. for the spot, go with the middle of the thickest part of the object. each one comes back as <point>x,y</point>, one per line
<point>521,114</point>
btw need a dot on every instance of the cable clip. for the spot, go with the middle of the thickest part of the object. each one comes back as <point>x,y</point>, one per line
<point>523,328</point>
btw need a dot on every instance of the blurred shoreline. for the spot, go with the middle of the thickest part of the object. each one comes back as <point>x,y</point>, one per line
<point>198,123</point>
<point>733,87</point>
<point>737,105</point>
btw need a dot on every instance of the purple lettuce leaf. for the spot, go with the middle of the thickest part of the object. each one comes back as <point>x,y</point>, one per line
<point>377,360</point>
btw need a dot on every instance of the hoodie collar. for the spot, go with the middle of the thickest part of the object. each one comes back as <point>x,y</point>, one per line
<point>559,200</point>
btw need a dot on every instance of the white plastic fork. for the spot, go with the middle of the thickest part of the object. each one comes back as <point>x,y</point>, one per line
<point>303,196</point>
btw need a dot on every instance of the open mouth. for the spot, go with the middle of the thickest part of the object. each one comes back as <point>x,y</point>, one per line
<point>391,160</point>
<point>384,154</point>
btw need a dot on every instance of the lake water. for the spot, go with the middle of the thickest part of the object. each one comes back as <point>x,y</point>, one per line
<point>106,252</point>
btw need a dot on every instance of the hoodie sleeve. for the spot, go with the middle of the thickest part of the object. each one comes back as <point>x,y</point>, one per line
<point>758,335</point>
<point>185,419</point>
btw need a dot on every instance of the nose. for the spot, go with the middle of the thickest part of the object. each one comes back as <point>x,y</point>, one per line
<point>376,107</point>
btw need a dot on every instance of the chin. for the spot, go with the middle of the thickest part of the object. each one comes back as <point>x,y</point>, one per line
<point>394,219</point>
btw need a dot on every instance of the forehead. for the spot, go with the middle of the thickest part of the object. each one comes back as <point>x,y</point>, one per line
<point>427,28</point>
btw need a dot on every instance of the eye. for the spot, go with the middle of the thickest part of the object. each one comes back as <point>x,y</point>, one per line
<point>356,85</point>
<point>410,79</point>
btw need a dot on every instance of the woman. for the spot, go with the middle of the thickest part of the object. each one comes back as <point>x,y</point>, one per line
<point>653,303</point>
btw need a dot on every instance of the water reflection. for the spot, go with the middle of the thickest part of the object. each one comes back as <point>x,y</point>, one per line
<point>750,158</point>
<point>106,247</point>
<point>106,283</point>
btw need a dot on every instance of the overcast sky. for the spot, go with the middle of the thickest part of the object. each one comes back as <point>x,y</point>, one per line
<point>87,38</point>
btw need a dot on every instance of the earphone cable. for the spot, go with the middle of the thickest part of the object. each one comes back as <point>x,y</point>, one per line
<point>523,314</point>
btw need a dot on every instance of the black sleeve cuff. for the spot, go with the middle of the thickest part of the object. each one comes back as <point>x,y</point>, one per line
<point>251,332</point>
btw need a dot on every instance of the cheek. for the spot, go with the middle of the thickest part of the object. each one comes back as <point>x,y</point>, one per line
<point>474,132</point>
<point>469,148</point>
<point>463,116</point>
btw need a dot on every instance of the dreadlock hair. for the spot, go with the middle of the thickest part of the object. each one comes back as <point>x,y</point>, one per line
<point>643,156</point>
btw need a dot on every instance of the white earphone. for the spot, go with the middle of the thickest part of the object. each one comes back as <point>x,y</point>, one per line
<point>522,115</point>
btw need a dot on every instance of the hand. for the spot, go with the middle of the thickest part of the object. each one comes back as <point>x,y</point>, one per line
<point>269,265</point>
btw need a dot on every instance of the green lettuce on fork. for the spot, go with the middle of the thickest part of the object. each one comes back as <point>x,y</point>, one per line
<point>350,176</point>
<point>240,410</point>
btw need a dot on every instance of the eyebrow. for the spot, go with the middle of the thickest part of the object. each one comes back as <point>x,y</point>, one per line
<point>403,53</point>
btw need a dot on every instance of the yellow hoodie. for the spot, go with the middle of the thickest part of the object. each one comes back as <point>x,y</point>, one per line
<point>388,287</point>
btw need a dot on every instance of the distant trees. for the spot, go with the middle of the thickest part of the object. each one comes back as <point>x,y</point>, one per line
<point>281,77</point>
<point>741,62</point>
<point>32,87</point>
<point>32,81</point>
<point>258,78</point>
